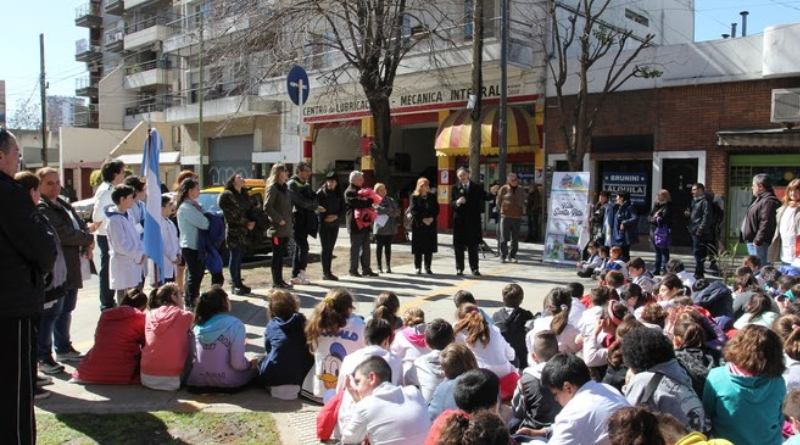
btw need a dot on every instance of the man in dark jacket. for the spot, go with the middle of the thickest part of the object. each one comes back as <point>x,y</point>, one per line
<point>304,215</point>
<point>76,240</point>
<point>27,253</point>
<point>329,197</point>
<point>359,237</point>
<point>761,219</point>
<point>701,226</point>
<point>468,200</point>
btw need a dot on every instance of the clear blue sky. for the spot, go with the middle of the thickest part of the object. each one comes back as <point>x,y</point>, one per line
<point>24,20</point>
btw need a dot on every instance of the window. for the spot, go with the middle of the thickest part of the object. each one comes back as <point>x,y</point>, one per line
<point>638,18</point>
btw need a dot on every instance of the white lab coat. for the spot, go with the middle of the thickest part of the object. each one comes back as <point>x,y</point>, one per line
<point>126,249</point>
<point>172,248</point>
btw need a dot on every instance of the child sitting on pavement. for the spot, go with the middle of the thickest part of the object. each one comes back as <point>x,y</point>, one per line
<point>639,275</point>
<point>533,406</point>
<point>490,348</point>
<point>118,342</point>
<point>168,339</point>
<point>465,296</point>
<point>595,261</point>
<point>511,321</point>
<point>288,359</point>
<point>557,306</point>
<point>409,342</point>
<point>333,331</point>
<point>427,372</point>
<point>219,365</point>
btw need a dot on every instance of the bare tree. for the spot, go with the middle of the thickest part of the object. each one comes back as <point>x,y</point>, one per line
<point>26,115</point>
<point>344,42</point>
<point>595,39</point>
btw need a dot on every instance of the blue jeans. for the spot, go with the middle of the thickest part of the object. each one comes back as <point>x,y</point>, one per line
<point>235,265</point>
<point>759,251</point>
<point>63,341</point>
<point>46,328</point>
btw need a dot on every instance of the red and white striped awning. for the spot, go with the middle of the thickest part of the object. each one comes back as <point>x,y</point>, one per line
<point>453,136</point>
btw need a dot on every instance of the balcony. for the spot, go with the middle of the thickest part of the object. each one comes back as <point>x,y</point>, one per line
<point>132,4</point>
<point>86,86</point>
<point>114,7</point>
<point>114,38</point>
<point>145,33</point>
<point>152,112</point>
<point>89,15</point>
<point>87,117</point>
<point>223,108</point>
<point>88,50</point>
<point>184,33</point>
<point>154,72</point>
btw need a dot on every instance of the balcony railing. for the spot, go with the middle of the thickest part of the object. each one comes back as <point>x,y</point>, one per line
<point>87,118</point>
<point>114,37</point>
<point>157,105</point>
<point>163,64</point>
<point>114,7</point>
<point>147,23</point>
<point>89,15</point>
<point>86,50</point>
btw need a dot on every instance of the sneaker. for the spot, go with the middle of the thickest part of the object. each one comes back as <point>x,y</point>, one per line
<point>514,260</point>
<point>70,356</point>
<point>43,380</point>
<point>380,269</point>
<point>50,367</point>
<point>459,273</point>
<point>40,394</point>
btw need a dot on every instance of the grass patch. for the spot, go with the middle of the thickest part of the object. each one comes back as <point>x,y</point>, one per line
<point>158,428</point>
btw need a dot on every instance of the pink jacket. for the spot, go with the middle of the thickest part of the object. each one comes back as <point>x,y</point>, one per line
<point>365,217</point>
<point>168,338</point>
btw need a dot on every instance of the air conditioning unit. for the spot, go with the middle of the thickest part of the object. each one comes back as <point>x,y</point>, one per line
<point>785,105</point>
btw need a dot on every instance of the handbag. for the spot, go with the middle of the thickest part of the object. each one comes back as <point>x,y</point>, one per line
<point>662,237</point>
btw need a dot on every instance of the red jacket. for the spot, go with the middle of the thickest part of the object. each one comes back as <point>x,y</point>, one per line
<point>168,338</point>
<point>118,341</point>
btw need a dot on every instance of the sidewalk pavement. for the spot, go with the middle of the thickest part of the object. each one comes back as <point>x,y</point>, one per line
<point>296,419</point>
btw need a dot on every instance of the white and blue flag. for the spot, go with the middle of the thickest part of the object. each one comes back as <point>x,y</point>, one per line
<point>153,244</point>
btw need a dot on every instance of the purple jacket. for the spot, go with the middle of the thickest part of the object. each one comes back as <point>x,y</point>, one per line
<point>219,359</point>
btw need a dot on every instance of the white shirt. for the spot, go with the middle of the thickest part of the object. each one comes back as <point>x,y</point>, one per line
<point>495,356</point>
<point>102,199</point>
<point>349,365</point>
<point>576,311</point>
<point>390,415</point>
<point>584,419</point>
<point>566,339</point>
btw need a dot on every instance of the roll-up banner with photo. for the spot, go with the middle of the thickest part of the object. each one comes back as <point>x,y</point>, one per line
<point>567,226</point>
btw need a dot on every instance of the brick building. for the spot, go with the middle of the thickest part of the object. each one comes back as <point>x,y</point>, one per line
<point>708,119</point>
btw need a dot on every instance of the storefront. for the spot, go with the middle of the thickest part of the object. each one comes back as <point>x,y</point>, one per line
<point>775,152</point>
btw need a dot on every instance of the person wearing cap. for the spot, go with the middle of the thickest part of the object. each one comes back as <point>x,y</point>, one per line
<point>330,197</point>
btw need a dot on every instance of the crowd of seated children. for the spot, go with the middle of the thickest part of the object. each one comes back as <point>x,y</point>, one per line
<point>512,321</point>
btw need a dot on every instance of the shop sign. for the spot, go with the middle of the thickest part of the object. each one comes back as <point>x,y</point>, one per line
<point>410,99</point>
<point>633,183</point>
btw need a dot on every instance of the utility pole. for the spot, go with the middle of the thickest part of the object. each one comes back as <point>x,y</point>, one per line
<point>503,119</point>
<point>477,94</point>
<point>202,93</point>
<point>43,89</point>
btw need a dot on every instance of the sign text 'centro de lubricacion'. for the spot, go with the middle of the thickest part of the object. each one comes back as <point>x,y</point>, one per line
<point>407,100</point>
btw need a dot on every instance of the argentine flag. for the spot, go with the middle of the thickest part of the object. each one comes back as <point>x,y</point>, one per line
<point>153,244</point>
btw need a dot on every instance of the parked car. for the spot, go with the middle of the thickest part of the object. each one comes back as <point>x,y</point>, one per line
<point>84,209</point>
